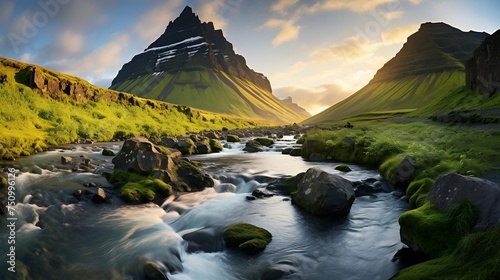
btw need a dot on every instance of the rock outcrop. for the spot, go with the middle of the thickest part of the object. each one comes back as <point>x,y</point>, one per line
<point>452,188</point>
<point>324,194</point>
<point>483,70</point>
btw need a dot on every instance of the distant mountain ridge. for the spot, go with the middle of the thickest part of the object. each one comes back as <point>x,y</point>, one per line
<point>430,64</point>
<point>193,64</point>
<point>296,107</point>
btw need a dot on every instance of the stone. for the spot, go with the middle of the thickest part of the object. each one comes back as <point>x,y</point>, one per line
<point>248,238</point>
<point>324,194</point>
<point>403,175</point>
<point>153,271</point>
<point>279,271</point>
<point>66,160</point>
<point>99,196</point>
<point>343,168</point>
<point>482,73</point>
<point>205,240</point>
<point>169,142</point>
<point>265,141</point>
<point>139,155</point>
<point>212,135</point>
<point>250,197</point>
<point>203,148</point>
<point>253,146</point>
<point>452,188</point>
<point>286,151</point>
<point>316,157</point>
<point>297,152</point>
<point>261,193</point>
<point>186,146</point>
<point>215,145</point>
<point>232,138</point>
<point>108,152</point>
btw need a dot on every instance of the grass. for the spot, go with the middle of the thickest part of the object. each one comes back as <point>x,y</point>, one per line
<point>32,122</point>
<point>214,91</point>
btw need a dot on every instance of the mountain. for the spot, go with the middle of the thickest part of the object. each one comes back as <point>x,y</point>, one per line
<point>193,64</point>
<point>45,108</point>
<point>294,106</point>
<point>482,70</point>
<point>430,64</point>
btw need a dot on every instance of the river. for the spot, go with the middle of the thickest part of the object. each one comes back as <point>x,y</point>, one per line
<point>59,237</point>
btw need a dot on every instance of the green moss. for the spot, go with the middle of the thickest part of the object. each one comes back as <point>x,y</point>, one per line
<point>343,168</point>
<point>215,145</point>
<point>163,150</point>
<point>435,232</point>
<point>265,141</point>
<point>144,191</point>
<point>417,191</point>
<point>297,152</point>
<point>247,237</point>
<point>301,140</point>
<point>119,177</point>
<point>232,138</point>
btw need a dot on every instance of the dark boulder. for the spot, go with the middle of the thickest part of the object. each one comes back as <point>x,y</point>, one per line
<point>205,240</point>
<point>452,188</point>
<point>248,238</point>
<point>482,71</point>
<point>324,194</point>
<point>153,271</point>
<point>253,146</point>
<point>265,141</point>
<point>99,196</point>
<point>66,160</point>
<point>169,142</point>
<point>139,155</point>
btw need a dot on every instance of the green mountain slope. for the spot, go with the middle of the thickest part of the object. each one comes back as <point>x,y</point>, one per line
<point>214,91</point>
<point>430,64</point>
<point>44,108</point>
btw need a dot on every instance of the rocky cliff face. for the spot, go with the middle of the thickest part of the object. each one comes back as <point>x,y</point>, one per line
<point>483,69</point>
<point>188,44</point>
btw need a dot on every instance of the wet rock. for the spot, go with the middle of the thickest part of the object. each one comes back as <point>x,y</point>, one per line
<point>66,160</point>
<point>153,271</point>
<point>205,240</point>
<point>139,155</point>
<point>99,196</point>
<point>297,152</point>
<point>186,146</point>
<point>203,148</point>
<point>452,188</point>
<point>367,190</point>
<point>253,146</point>
<point>250,197</point>
<point>215,146</point>
<point>248,238</point>
<point>286,151</point>
<point>317,157</point>
<point>232,138</point>
<point>403,174</point>
<point>265,141</point>
<point>261,193</point>
<point>86,160</point>
<point>343,168</point>
<point>194,177</point>
<point>212,135</point>
<point>324,194</point>
<point>108,152</point>
<point>169,142</point>
<point>279,270</point>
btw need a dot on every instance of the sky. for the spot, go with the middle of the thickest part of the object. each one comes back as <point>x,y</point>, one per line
<point>316,51</point>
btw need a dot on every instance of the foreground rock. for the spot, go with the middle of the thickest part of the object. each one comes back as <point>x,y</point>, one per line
<point>248,238</point>
<point>139,155</point>
<point>403,174</point>
<point>253,146</point>
<point>453,188</point>
<point>324,194</point>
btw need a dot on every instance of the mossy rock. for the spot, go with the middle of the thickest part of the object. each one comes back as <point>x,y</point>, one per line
<point>108,152</point>
<point>296,152</point>
<point>119,178</point>
<point>301,140</point>
<point>163,150</point>
<point>247,238</point>
<point>265,141</point>
<point>215,145</point>
<point>232,138</point>
<point>343,168</point>
<point>144,191</point>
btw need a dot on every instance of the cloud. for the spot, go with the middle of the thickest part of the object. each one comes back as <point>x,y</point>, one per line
<point>211,11</point>
<point>351,49</point>
<point>316,99</point>
<point>152,24</point>
<point>281,6</point>
<point>399,34</point>
<point>415,2</point>
<point>358,6</point>
<point>289,30</point>
<point>393,15</point>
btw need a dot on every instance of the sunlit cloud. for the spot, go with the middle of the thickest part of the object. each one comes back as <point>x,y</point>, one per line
<point>209,11</point>
<point>152,24</point>
<point>289,30</point>
<point>294,69</point>
<point>393,15</point>
<point>415,2</point>
<point>399,34</point>
<point>358,6</point>
<point>351,49</point>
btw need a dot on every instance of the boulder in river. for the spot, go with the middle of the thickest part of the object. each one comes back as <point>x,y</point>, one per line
<point>66,160</point>
<point>452,188</point>
<point>99,196</point>
<point>139,155</point>
<point>253,146</point>
<point>248,238</point>
<point>324,194</point>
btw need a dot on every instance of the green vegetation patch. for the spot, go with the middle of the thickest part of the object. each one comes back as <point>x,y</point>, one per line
<point>248,238</point>
<point>144,191</point>
<point>417,191</point>
<point>215,145</point>
<point>232,138</point>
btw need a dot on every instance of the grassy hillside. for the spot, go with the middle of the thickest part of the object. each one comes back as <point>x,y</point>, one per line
<point>397,96</point>
<point>214,91</point>
<point>426,69</point>
<point>32,120</point>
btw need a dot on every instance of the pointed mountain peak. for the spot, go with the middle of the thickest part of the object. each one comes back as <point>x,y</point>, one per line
<point>186,12</point>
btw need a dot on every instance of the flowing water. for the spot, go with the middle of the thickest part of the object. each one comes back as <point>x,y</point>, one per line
<point>58,237</point>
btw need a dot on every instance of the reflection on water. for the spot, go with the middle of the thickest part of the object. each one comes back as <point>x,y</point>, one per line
<point>61,239</point>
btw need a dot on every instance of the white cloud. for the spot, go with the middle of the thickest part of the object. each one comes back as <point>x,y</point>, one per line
<point>152,24</point>
<point>358,6</point>
<point>416,2</point>
<point>210,11</point>
<point>393,15</point>
<point>69,43</point>
<point>350,49</point>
